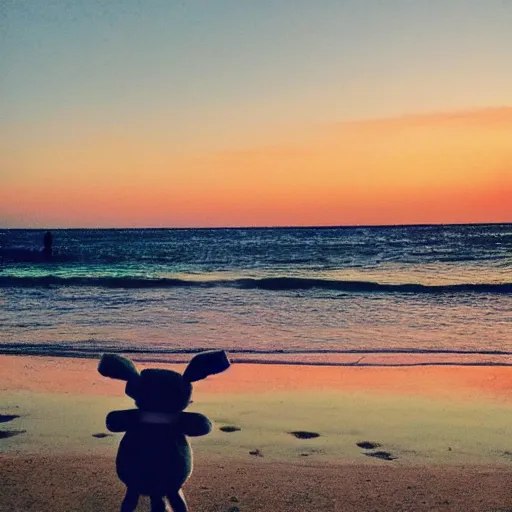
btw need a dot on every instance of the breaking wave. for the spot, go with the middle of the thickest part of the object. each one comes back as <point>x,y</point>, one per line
<point>266,283</point>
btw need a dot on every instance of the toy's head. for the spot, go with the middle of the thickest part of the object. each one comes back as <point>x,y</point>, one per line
<point>162,390</point>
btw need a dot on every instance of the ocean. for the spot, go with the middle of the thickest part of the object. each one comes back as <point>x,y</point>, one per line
<point>399,295</point>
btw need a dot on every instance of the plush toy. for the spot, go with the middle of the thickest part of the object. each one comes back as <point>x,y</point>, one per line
<point>154,457</point>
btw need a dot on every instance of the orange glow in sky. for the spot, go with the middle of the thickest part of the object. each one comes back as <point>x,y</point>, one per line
<point>226,113</point>
<point>434,168</point>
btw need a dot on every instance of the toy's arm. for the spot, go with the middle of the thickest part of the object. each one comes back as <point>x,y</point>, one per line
<point>195,424</point>
<point>120,421</point>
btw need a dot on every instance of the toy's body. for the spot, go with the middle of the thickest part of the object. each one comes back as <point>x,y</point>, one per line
<point>154,457</point>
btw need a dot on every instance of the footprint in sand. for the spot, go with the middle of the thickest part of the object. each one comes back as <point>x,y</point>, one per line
<point>302,434</point>
<point>368,445</point>
<point>4,434</point>
<point>381,455</point>
<point>230,428</point>
<point>4,418</point>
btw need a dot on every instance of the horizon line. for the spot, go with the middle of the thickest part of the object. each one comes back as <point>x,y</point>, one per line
<point>325,226</point>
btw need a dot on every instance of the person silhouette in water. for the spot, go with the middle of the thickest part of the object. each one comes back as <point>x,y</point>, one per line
<point>47,245</point>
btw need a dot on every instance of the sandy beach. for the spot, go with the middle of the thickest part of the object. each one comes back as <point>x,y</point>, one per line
<point>286,438</point>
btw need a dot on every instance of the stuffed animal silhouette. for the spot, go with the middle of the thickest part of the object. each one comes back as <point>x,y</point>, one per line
<point>154,457</point>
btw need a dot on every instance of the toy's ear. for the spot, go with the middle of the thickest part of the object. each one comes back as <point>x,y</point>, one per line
<point>206,363</point>
<point>117,367</point>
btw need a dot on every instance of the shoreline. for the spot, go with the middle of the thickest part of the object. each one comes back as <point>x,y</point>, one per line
<point>351,358</point>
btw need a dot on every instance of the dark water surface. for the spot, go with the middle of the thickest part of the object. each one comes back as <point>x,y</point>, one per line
<point>365,295</point>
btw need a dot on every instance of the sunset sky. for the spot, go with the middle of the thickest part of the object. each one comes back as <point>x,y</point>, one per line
<point>247,113</point>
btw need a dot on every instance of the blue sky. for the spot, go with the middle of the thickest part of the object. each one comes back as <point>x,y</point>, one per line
<point>276,61</point>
